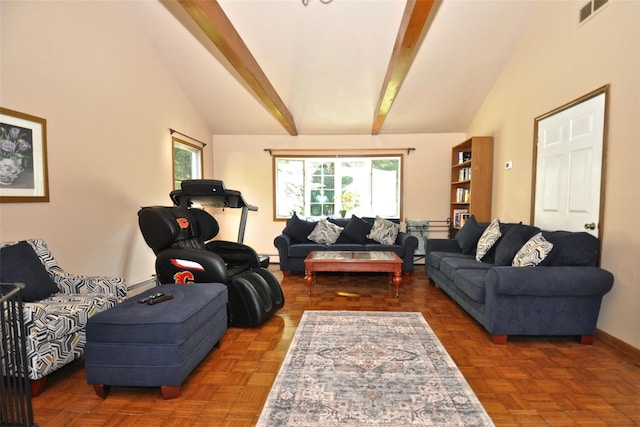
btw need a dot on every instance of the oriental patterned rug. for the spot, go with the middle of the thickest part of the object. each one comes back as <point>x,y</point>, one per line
<point>369,369</point>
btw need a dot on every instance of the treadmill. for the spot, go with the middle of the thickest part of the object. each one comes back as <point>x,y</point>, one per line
<point>213,193</point>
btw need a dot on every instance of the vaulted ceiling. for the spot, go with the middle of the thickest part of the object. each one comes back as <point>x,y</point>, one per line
<point>343,67</point>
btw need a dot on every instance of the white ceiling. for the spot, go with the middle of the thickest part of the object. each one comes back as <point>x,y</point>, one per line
<point>328,62</point>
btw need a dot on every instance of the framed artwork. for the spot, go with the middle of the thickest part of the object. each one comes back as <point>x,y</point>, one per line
<point>187,161</point>
<point>23,157</point>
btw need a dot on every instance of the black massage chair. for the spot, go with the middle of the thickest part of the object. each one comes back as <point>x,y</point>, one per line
<point>182,237</point>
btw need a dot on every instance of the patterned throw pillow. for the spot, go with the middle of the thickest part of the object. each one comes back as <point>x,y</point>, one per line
<point>533,252</point>
<point>384,231</point>
<point>489,237</point>
<point>325,232</point>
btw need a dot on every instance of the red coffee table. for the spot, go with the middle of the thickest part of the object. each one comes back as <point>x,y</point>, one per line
<point>354,261</point>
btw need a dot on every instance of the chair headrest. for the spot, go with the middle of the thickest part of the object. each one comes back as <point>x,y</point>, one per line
<point>163,226</point>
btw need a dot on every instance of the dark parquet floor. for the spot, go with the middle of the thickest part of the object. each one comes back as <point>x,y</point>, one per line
<point>530,381</point>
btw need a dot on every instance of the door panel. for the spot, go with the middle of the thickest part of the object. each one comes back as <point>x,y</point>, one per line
<point>569,157</point>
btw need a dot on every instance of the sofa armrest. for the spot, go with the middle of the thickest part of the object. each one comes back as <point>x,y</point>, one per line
<point>282,243</point>
<point>78,284</point>
<point>441,245</point>
<point>408,241</point>
<point>190,265</point>
<point>549,281</point>
<point>33,313</point>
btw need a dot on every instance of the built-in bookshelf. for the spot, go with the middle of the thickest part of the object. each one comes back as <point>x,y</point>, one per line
<point>471,175</point>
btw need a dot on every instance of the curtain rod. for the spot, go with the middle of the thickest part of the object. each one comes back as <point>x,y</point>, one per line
<point>204,144</point>
<point>334,150</point>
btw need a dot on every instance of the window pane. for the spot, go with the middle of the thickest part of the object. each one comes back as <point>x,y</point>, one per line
<point>289,187</point>
<point>187,162</point>
<point>335,187</point>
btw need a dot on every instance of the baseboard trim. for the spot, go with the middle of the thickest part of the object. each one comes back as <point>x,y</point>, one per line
<point>621,346</point>
<point>142,286</point>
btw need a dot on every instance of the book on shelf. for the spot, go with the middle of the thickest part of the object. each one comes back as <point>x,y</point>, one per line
<point>464,218</point>
<point>459,217</point>
<point>464,156</point>
<point>462,195</point>
<point>464,174</point>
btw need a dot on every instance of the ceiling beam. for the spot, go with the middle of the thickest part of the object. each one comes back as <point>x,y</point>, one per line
<point>412,26</point>
<point>216,25</point>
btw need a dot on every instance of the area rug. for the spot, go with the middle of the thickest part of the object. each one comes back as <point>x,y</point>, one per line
<point>369,368</point>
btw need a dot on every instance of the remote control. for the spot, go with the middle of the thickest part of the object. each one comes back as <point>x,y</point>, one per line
<point>150,297</point>
<point>160,299</point>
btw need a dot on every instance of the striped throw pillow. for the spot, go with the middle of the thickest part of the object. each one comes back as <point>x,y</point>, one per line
<point>489,237</point>
<point>533,252</point>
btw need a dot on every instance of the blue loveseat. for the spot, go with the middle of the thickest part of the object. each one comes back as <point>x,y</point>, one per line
<point>294,245</point>
<point>561,295</point>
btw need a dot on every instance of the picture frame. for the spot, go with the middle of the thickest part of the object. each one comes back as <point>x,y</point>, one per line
<point>23,158</point>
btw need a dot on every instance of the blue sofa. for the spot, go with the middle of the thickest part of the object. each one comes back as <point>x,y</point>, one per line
<point>561,295</point>
<point>294,246</point>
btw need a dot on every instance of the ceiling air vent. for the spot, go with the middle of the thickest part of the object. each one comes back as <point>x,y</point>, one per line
<point>590,8</point>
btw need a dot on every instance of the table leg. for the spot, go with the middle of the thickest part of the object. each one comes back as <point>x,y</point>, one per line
<point>308,277</point>
<point>397,279</point>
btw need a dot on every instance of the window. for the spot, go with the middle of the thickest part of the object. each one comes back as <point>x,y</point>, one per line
<point>331,186</point>
<point>187,162</point>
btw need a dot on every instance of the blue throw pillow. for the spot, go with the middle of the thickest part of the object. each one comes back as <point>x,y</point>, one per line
<point>469,235</point>
<point>356,230</point>
<point>512,241</point>
<point>20,264</point>
<point>298,229</point>
<point>572,248</point>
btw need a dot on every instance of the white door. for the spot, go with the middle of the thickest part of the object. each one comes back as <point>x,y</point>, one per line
<point>569,167</point>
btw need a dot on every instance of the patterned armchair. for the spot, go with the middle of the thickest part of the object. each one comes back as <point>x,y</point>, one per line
<point>55,326</point>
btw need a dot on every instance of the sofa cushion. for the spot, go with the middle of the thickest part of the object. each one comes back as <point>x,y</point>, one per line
<point>20,264</point>
<point>302,250</point>
<point>449,265</point>
<point>325,232</point>
<point>532,252</point>
<point>571,248</point>
<point>384,231</point>
<point>471,283</point>
<point>511,242</point>
<point>469,235</point>
<point>488,239</point>
<point>373,247</point>
<point>298,229</point>
<point>434,258</point>
<point>356,230</point>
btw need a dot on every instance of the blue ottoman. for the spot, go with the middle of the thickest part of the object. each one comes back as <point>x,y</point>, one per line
<point>134,344</point>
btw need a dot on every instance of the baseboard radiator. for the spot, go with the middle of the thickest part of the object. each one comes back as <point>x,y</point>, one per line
<point>142,286</point>
<point>424,228</point>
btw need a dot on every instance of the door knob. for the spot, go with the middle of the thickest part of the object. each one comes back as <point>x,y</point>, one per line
<point>590,226</point>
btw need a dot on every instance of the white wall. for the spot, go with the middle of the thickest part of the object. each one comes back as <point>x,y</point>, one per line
<point>557,62</point>
<point>243,165</point>
<point>108,102</point>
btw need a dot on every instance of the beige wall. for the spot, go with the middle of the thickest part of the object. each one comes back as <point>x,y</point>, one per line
<point>108,102</point>
<point>557,62</point>
<point>243,165</point>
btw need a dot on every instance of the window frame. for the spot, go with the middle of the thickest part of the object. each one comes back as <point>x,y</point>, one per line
<point>195,150</point>
<point>334,158</point>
